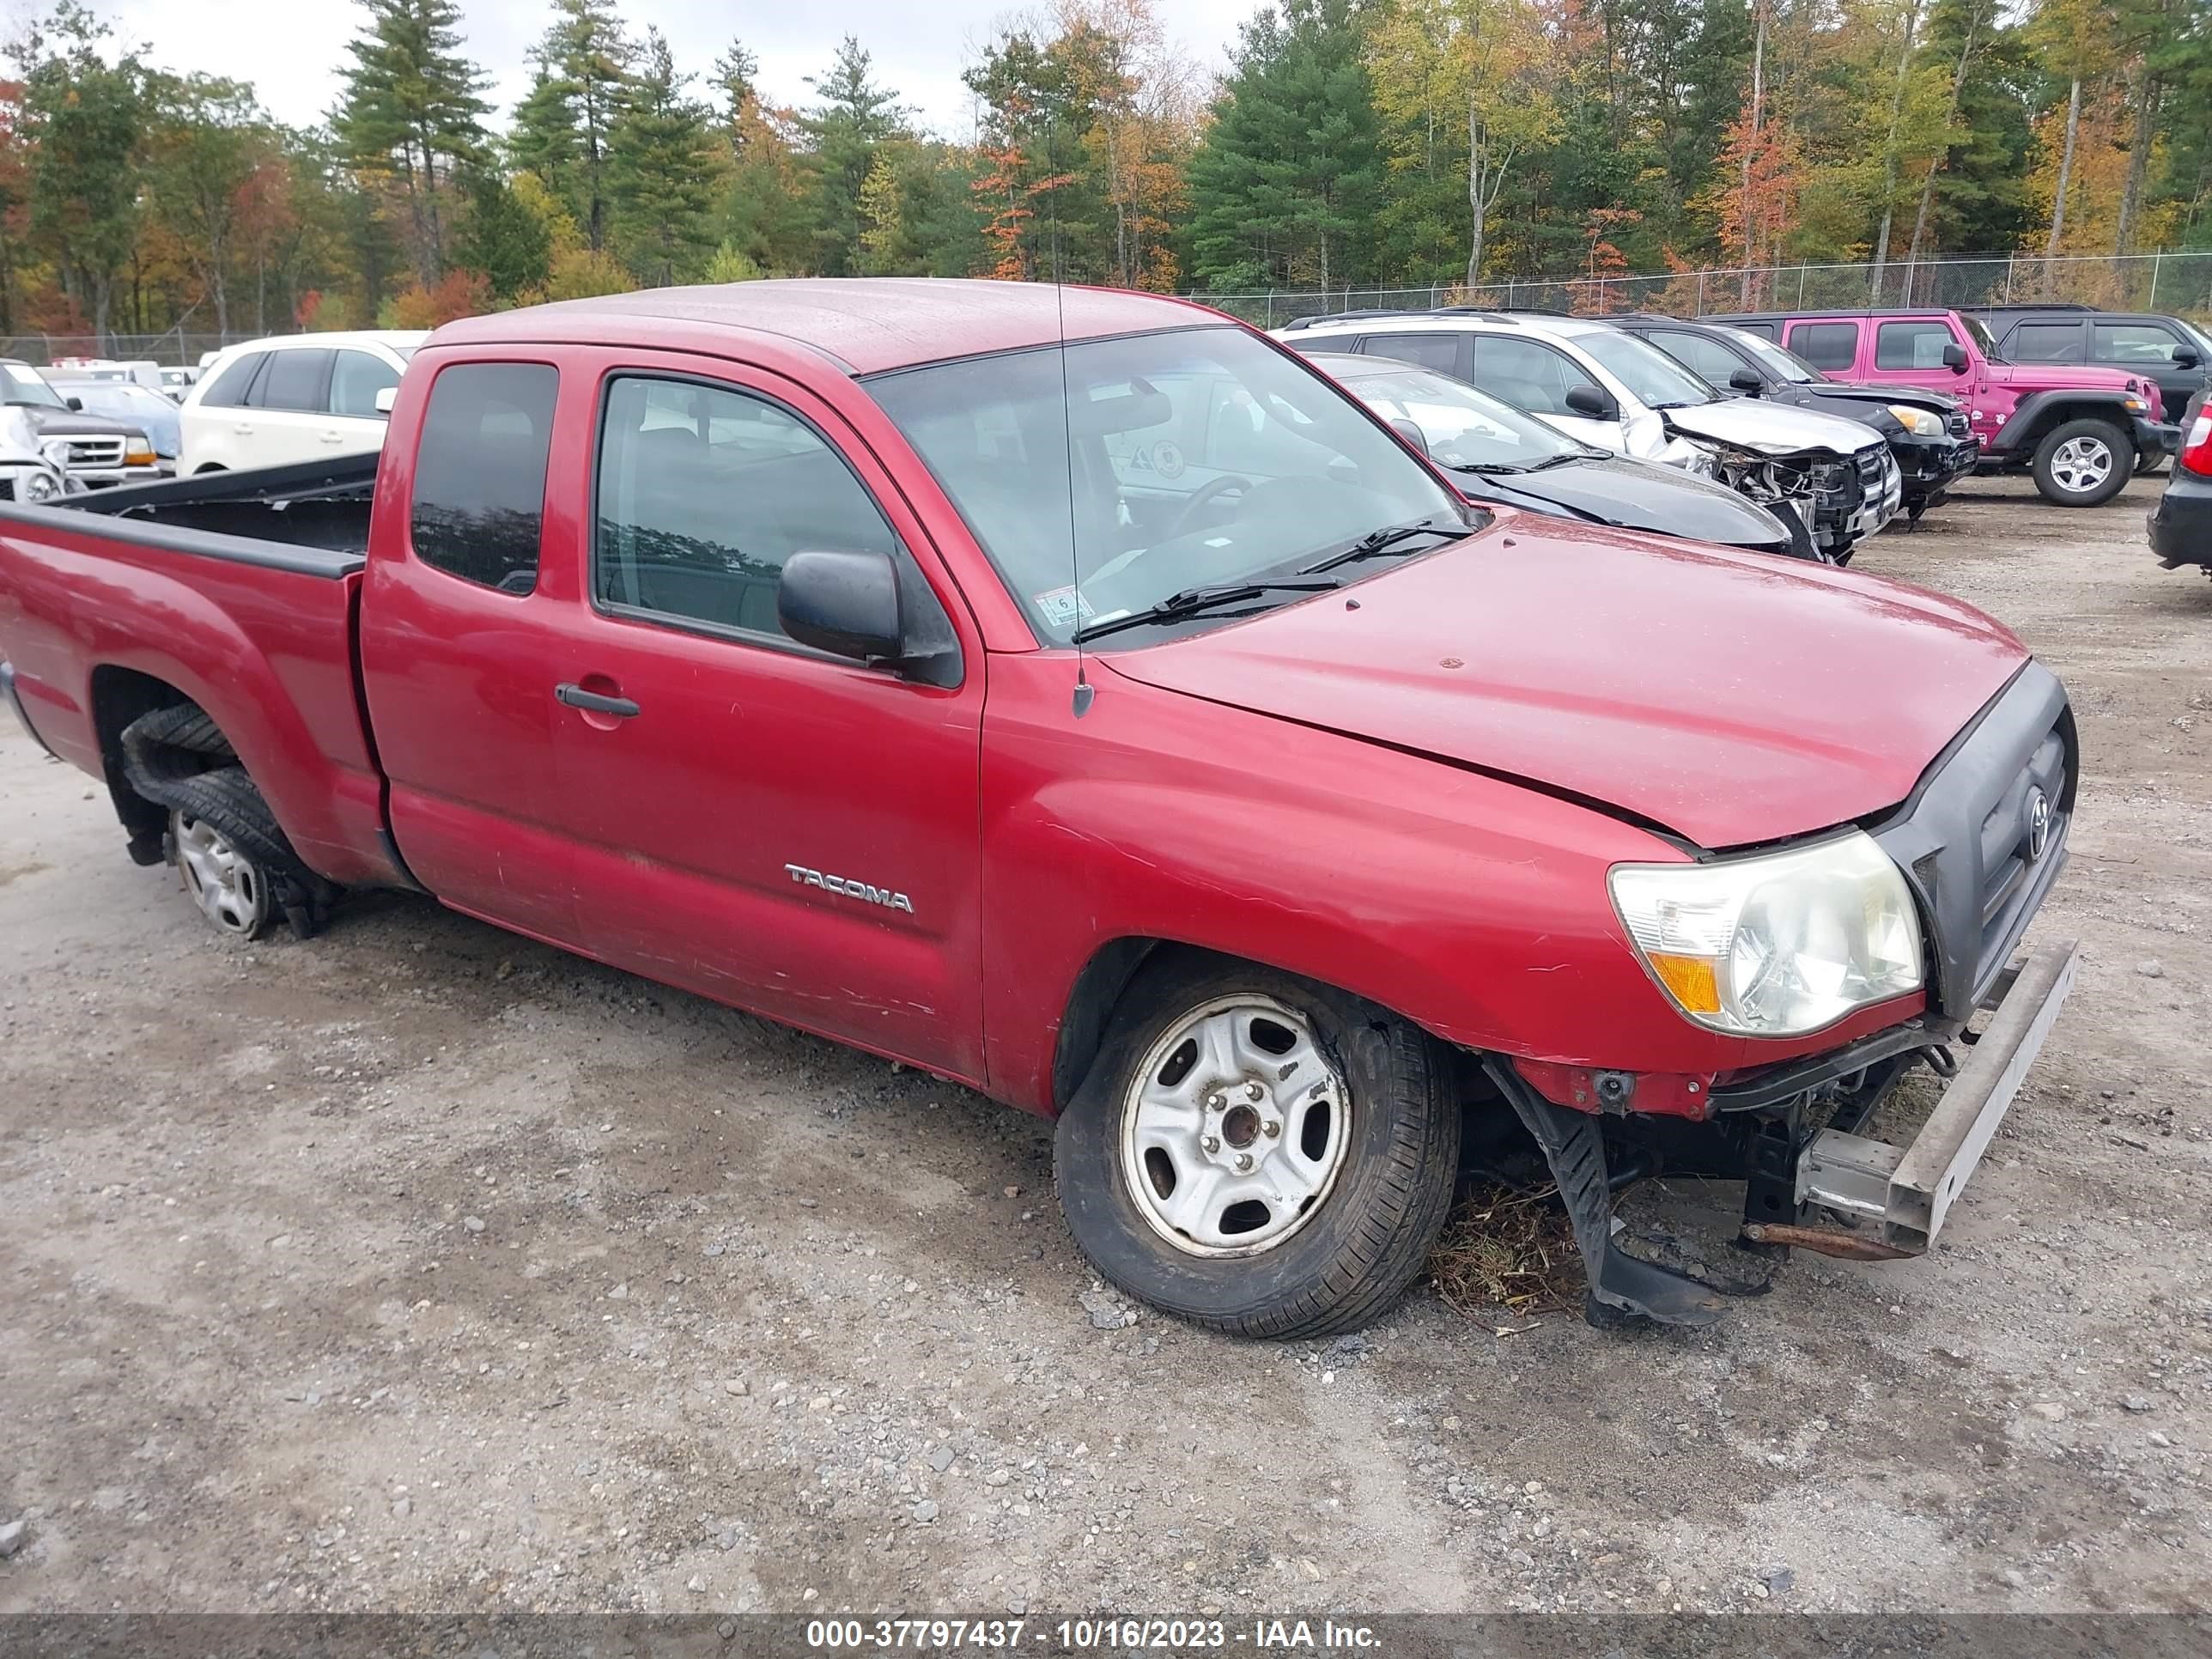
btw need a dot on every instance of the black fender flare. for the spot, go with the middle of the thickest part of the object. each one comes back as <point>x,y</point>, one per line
<point>2038,411</point>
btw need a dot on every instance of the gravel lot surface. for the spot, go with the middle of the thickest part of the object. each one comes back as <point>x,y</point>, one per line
<point>423,1267</point>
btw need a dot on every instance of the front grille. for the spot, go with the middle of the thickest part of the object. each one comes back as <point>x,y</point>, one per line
<point>95,451</point>
<point>1956,423</point>
<point>1869,467</point>
<point>1968,840</point>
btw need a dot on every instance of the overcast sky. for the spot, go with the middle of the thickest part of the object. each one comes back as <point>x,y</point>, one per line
<point>290,50</point>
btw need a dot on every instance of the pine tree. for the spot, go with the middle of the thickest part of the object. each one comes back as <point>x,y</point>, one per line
<point>589,58</point>
<point>502,238</point>
<point>853,116</point>
<point>660,165</point>
<point>542,138</point>
<point>411,111</point>
<point>1290,174</point>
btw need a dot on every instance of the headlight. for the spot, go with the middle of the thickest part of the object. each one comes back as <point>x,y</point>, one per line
<point>1775,945</point>
<point>139,453</point>
<point>31,486</point>
<point>1920,423</point>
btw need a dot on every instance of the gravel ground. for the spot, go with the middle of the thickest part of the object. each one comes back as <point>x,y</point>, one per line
<point>421,1267</point>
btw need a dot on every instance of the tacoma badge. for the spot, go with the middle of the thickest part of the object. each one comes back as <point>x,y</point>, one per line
<point>859,889</point>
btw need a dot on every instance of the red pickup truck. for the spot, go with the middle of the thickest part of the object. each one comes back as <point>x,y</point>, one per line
<point>2081,430</point>
<point>1075,695</point>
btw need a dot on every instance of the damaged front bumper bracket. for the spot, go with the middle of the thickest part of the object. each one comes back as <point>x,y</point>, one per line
<point>1907,1191</point>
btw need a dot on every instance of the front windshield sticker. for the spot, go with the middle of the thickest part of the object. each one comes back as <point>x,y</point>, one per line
<point>1063,607</point>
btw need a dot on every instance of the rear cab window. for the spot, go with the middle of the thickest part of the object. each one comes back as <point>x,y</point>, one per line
<point>479,501</point>
<point>1825,345</point>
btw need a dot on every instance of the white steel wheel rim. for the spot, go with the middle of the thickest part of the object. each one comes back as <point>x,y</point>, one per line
<point>2082,464</point>
<point>227,885</point>
<point>1234,1129</point>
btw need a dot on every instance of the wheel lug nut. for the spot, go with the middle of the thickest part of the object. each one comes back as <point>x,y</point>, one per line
<point>1243,1160</point>
<point>1212,1144</point>
<point>1214,1103</point>
<point>1271,1128</point>
<point>1253,1091</point>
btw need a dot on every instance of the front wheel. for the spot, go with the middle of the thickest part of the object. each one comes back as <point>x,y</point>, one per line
<point>1258,1153</point>
<point>2083,462</point>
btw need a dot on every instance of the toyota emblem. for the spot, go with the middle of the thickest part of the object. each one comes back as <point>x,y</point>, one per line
<point>2038,824</point>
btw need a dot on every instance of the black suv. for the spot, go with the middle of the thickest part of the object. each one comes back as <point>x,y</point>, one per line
<point>2165,350</point>
<point>1926,431</point>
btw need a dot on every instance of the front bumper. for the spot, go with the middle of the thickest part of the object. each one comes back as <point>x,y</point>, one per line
<point>1905,1193</point>
<point>109,477</point>
<point>1929,466</point>
<point>2152,437</point>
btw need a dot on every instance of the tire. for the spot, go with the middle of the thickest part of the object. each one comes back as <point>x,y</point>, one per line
<point>220,827</point>
<point>1378,1113</point>
<point>2071,451</point>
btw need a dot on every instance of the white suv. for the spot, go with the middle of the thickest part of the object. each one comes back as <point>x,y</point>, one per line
<point>296,398</point>
<point>1606,386</point>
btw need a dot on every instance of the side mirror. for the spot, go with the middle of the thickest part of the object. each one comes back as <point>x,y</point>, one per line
<point>386,396</point>
<point>2187,357</point>
<point>1412,433</point>
<point>76,404</point>
<point>1747,381</point>
<point>1593,404</point>
<point>846,604</point>
<point>1955,358</point>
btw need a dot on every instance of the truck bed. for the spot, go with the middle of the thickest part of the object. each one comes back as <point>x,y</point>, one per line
<point>237,590</point>
<point>318,505</point>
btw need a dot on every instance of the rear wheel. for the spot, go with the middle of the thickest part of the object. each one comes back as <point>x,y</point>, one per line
<point>233,891</point>
<point>1258,1153</point>
<point>2083,462</point>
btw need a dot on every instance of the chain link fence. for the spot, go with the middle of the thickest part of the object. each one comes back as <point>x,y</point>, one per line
<point>177,348</point>
<point>2176,283</point>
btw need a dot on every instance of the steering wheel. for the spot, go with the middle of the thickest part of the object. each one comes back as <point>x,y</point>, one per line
<point>1187,520</point>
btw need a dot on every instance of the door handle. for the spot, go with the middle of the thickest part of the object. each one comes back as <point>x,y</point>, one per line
<point>576,697</point>
<point>333,437</point>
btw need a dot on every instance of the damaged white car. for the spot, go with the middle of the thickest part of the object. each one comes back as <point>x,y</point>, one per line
<point>1829,478</point>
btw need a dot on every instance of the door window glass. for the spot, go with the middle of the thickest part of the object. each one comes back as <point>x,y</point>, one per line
<point>704,492</point>
<point>1825,345</point>
<point>2132,345</point>
<point>2045,343</point>
<point>1708,357</point>
<point>228,389</point>
<point>1911,345</point>
<point>294,382</point>
<point>1437,351</point>
<point>1526,374</point>
<point>480,472</point>
<point>356,379</point>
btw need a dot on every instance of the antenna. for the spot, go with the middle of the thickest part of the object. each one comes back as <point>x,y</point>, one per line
<point>1083,690</point>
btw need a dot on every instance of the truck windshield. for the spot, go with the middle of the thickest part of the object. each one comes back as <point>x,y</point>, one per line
<point>22,384</point>
<point>1653,379</point>
<point>1150,465</point>
<point>1982,337</point>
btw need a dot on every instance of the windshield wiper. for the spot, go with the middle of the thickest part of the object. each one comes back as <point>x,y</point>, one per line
<point>1381,541</point>
<point>1191,601</point>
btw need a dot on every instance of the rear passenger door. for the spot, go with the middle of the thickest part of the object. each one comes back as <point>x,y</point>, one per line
<point>750,818</point>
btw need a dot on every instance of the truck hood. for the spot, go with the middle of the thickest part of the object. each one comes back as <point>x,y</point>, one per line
<point>1766,427</point>
<point>1873,391</point>
<point>2061,377</point>
<point>1729,697</point>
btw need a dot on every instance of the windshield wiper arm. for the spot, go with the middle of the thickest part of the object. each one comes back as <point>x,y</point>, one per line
<point>1381,541</point>
<point>1191,601</point>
